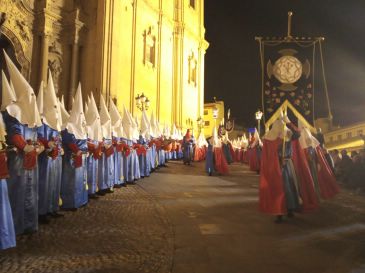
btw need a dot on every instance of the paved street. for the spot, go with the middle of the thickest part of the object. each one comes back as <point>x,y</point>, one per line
<point>180,220</point>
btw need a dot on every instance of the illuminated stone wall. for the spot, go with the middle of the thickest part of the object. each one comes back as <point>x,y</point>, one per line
<point>118,48</point>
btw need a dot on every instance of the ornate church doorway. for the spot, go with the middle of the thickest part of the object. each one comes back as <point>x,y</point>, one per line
<point>6,45</point>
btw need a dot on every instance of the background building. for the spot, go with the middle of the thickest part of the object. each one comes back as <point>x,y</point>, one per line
<point>350,138</point>
<point>209,119</point>
<point>118,48</point>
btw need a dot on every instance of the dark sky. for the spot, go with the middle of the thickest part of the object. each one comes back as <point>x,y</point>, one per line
<point>232,60</point>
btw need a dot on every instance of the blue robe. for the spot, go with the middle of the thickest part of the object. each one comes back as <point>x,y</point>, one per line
<point>50,173</point>
<point>143,159</point>
<point>22,184</point>
<point>92,170</point>
<point>289,178</point>
<point>136,169</point>
<point>7,232</point>
<point>128,167</point>
<point>118,166</point>
<point>74,180</point>
<point>188,149</point>
<point>106,170</point>
<point>153,157</point>
<point>161,157</point>
<point>209,160</point>
<point>227,153</point>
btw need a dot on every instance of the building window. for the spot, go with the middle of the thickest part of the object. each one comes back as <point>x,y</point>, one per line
<point>149,48</point>
<point>360,132</point>
<point>192,69</point>
<point>205,112</point>
<point>192,3</point>
<point>349,134</point>
<point>206,123</point>
<point>331,139</point>
<point>339,137</point>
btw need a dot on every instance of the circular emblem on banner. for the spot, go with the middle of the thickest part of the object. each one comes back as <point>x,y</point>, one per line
<point>288,69</point>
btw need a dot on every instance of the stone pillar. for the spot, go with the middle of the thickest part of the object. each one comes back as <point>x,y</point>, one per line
<point>178,49</point>
<point>44,58</point>
<point>73,72</point>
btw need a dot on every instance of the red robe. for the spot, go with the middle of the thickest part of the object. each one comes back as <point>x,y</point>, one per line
<point>326,179</point>
<point>271,194</point>
<point>253,159</point>
<point>220,162</point>
<point>305,179</point>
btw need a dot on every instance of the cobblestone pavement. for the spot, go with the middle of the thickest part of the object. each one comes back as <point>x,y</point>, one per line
<point>218,229</point>
<point>126,231</point>
<point>180,220</point>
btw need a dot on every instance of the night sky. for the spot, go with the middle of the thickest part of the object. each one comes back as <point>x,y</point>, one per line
<point>233,71</point>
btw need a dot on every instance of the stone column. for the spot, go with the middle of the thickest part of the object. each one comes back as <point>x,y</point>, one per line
<point>73,72</point>
<point>44,58</point>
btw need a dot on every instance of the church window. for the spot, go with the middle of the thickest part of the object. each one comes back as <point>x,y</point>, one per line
<point>149,48</point>
<point>192,3</point>
<point>206,123</point>
<point>192,70</point>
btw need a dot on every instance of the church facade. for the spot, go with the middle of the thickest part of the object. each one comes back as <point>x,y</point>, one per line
<point>117,48</point>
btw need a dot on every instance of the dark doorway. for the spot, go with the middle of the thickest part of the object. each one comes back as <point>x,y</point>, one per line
<point>6,45</point>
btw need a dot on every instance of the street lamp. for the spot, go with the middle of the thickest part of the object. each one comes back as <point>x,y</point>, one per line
<point>142,102</point>
<point>200,122</point>
<point>215,115</point>
<point>258,116</point>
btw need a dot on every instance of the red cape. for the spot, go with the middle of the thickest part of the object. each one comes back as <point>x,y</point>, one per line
<point>253,160</point>
<point>326,179</point>
<point>220,162</point>
<point>271,195</point>
<point>305,179</point>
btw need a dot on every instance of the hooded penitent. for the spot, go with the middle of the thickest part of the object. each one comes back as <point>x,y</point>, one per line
<point>105,120</point>
<point>76,123</point>
<point>51,111</point>
<point>64,114</point>
<point>27,112</point>
<point>8,98</point>
<point>116,120</point>
<point>127,124</point>
<point>93,124</point>
<point>145,125</point>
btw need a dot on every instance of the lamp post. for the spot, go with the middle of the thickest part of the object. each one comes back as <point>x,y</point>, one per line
<point>215,115</point>
<point>258,116</point>
<point>142,102</point>
<point>200,122</point>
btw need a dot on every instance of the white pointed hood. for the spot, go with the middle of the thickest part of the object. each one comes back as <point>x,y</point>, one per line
<point>153,126</point>
<point>8,97</point>
<point>127,124</point>
<point>40,99</point>
<point>116,120</point>
<point>135,135</point>
<point>26,99</point>
<point>106,124</point>
<point>145,125</point>
<point>2,129</point>
<point>77,124</point>
<point>64,114</point>
<point>278,130</point>
<point>93,125</point>
<point>51,111</point>
<point>216,141</point>
<point>201,140</point>
<point>306,138</point>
